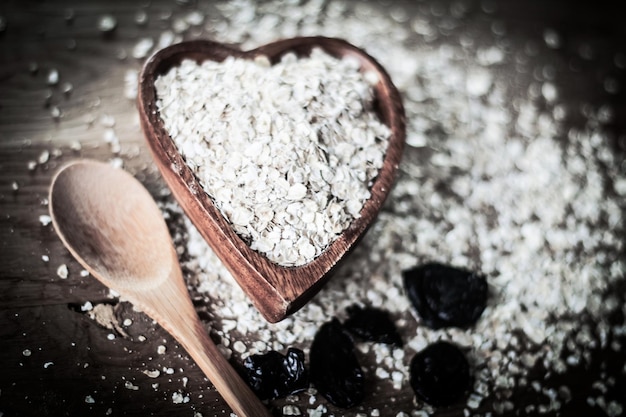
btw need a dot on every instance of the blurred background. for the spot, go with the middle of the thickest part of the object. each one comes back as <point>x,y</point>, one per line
<point>68,76</point>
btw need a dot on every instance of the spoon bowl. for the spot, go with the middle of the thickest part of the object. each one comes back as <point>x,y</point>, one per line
<point>120,239</point>
<point>275,290</point>
<point>111,225</point>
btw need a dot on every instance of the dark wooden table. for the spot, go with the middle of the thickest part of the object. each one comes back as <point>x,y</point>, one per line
<point>50,362</point>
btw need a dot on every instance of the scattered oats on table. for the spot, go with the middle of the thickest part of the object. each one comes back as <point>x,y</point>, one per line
<point>493,179</point>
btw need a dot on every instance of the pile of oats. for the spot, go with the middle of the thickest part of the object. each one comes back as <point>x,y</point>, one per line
<point>288,152</point>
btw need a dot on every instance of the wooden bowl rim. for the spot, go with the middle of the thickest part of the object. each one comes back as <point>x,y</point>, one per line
<point>275,290</point>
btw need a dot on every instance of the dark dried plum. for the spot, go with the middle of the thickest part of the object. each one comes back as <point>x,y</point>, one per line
<point>439,374</point>
<point>446,296</point>
<point>335,369</point>
<point>273,375</point>
<point>372,324</point>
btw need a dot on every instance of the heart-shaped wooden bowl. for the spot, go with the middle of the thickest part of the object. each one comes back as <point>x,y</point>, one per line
<point>276,291</point>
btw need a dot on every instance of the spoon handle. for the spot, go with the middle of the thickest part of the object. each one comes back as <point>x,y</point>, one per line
<point>227,381</point>
<point>171,307</point>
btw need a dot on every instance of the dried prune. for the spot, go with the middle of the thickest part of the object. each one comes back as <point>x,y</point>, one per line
<point>335,369</point>
<point>445,296</point>
<point>273,375</point>
<point>439,374</point>
<point>372,324</point>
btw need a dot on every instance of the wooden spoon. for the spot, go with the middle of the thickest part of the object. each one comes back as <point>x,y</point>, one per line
<point>112,226</point>
<point>275,290</point>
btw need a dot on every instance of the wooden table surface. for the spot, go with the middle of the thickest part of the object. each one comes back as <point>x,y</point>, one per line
<point>51,360</point>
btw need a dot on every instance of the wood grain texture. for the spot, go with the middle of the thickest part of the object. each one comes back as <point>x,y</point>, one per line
<point>275,290</point>
<point>74,358</point>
